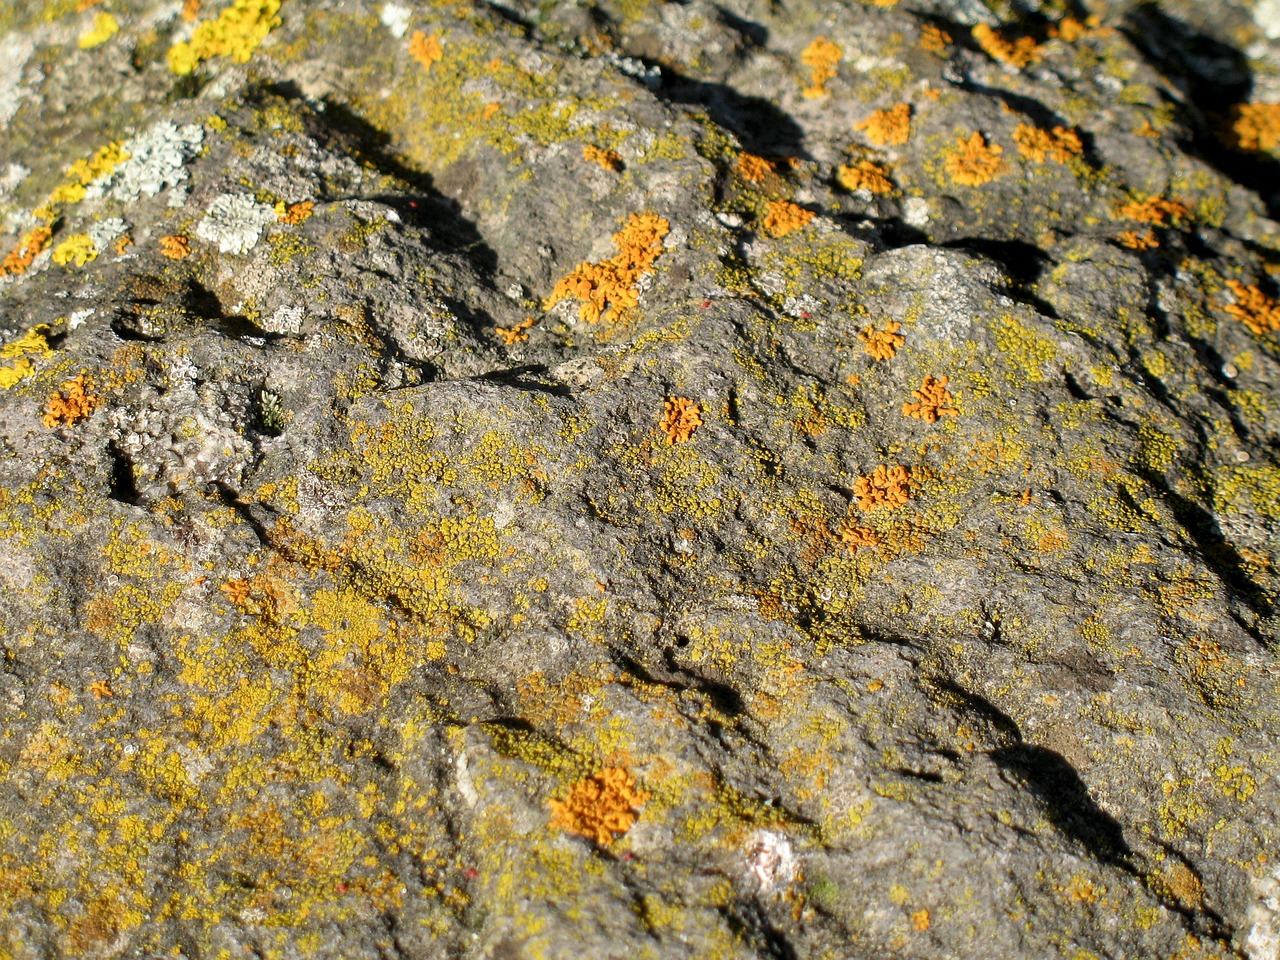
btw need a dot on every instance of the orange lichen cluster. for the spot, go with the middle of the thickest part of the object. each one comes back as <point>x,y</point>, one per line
<point>175,247</point>
<point>1153,210</point>
<point>74,403</point>
<point>821,58</point>
<point>783,217</point>
<point>885,488</point>
<point>609,159</point>
<point>1070,29</point>
<point>1058,144</point>
<point>600,807</point>
<point>1255,127</point>
<point>190,10</point>
<point>934,39</point>
<point>882,344</point>
<point>680,417</point>
<point>298,213</point>
<point>864,175</point>
<point>611,286</point>
<point>19,259</point>
<point>932,400</point>
<point>890,127</point>
<point>1138,241</point>
<point>973,162</point>
<point>425,48</point>
<point>1257,311</point>
<point>1019,53</point>
<point>515,334</point>
<point>753,168</point>
<point>856,538</point>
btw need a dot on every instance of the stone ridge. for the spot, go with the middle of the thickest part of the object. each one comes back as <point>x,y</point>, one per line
<point>637,478</point>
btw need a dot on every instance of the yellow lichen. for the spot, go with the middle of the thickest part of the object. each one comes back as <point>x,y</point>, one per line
<point>105,26</point>
<point>1058,144</point>
<point>1257,311</point>
<point>175,247</point>
<point>425,48</point>
<point>882,344</point>
<point>74,403</point>
<point>890,127</point>
<point>821,58</point>
<point>601,807</point>
<point>783,217</point>
<point>753,168</point>
<point>77,248</point>
<point>610,288</point>
<point>884,488</point>
<point>973,162</point>
<point>20,258</point>
<point>932,400</point>
<point>1018,53</point>
<point>680,418</point>
<point>236,33</point>
<point>864,175</point>
<point>32,344</point>
<point>608,159</point>
<point>1255,127</point>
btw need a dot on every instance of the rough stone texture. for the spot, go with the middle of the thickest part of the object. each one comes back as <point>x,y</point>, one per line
<point>338,561</point>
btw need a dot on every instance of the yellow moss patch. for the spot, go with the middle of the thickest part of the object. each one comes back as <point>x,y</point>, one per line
<point>783,217</point>
<point>973,162</point>
<point>932,400</point>
<point>882,344</point>
<point>1018,53</point>
<point>236,33</point>
<point>890,127</point>
<point>680,418</point>
<point>74,403</point>
<point>1058,144</point>
<point>1257,311</point>
<point>105,26</point>
<point>77,248</point>
<point>610,288</point>
<point>864,175</point>
<point>821,57</point>
<point>601,807</point>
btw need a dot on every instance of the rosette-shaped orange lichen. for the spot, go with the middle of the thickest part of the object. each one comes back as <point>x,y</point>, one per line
<point>610,288</point>
<point>680,417</point>
<point>1058,144</point>
<point>864,175</point>
<point>932,400</point>
<point>783,217</point>
<point>882,344</point>
<point>821,58</point>
<point>888,128</point>
<point>753,168</point>
<point>1255,127</point>
<point>74,403</point>
<point>973,162</point>
<point>600,807</point>
<point>885,488</point>
<point>1019,53</point>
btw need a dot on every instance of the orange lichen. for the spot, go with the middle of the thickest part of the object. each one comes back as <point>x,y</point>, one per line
<point>1018,53</point>
<point>19,259</point>
<point>932,400</point>
<point>753,168</point>
<point>1255,127</point>
<point>1257,311</point>
<point>74,403</point>
<point>1070,29</point>
<point>1156,211</point>
<point>864,175</point>
<point>425,48</point>
<point>610,287</point>
<point>856,538</point>
<point>680,418</point>
<point>821,58</point>
<point>190,11</point>
<point>175,247</point>
<point>920,920</point>
<point>601,807</point>
<point>609,159</point>
<point>890,127</point>
<point>514,334</point>
<point>885,488</point>
<point>783,217</point>
<point>882,344</point>
<point>1058,144</point>
<point>973,162</point>
<point>934,39</point>
<point>298,213</point>
<point>1138,241</point>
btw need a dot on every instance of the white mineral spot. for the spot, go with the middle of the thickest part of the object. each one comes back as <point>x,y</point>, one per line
<point>916,211</point>
<point>1267,16</point>
<point>771,858</point>
<point>395,18</point>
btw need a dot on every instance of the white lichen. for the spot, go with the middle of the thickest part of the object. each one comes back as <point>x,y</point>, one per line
<point>104,231</point>
<point>157,160</point>
<point>395,18</point>
<point>234,222</point>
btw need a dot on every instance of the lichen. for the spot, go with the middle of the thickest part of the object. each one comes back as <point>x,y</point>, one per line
<point>77,249</point>
<point>932,400</point>
<point>33,344</point>
<point>1060,143</point>
<point>864,175</point>
<point>1019,53</point>
<point>783,217</point>
<point>973,162</point>
<point>888,128</point>
<point>821,57</point>
<point>680,418</point>
<point>601,807</point>
<point>236,33</point>
<point>610,289</point>
<point>105,26</point>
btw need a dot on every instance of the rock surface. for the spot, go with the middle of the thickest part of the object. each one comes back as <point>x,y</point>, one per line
<point>639,479</point>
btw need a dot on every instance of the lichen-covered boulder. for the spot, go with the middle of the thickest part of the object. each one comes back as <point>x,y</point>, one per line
<point>639,479</point>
